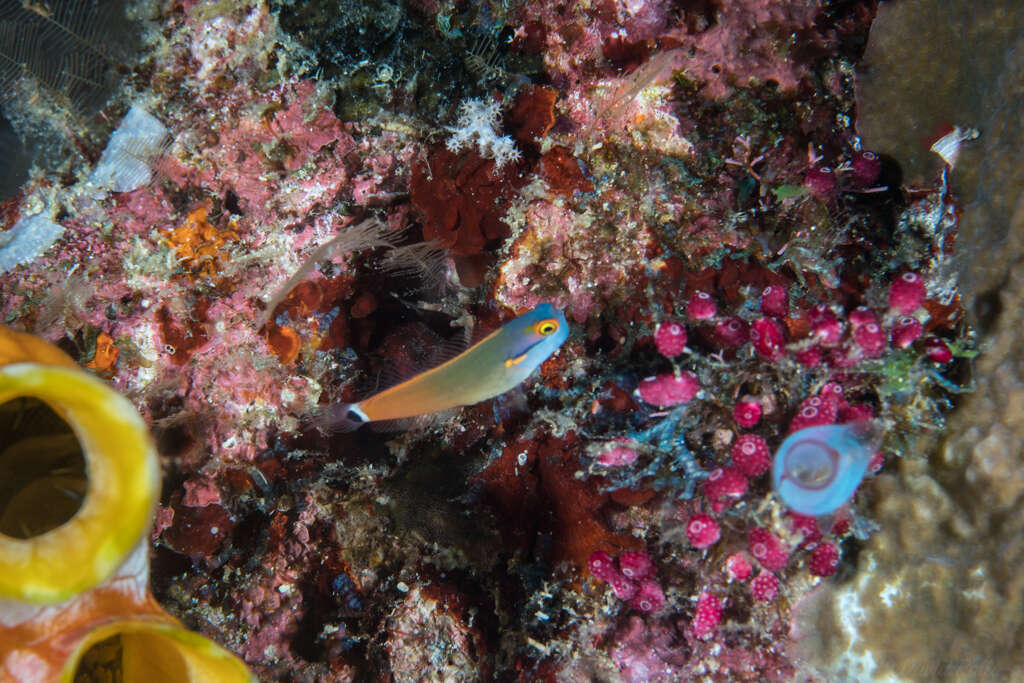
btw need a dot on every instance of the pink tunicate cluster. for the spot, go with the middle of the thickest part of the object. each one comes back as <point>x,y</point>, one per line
<point>865,168</point>
<point>707,616</point>
<point>669,389</point>
<point>833,393</point>
<point>860,412</point>
<point>862,315</point>
<point>825,326</point>
<point>767,549</point>
<point>868,335</point>
<point>747,412</point>
<point>701,306</point>
<point>732,332</point>
<point>937,350</point>
<point>906,331</point>
<point>768,337</point>
<point>636,565</point>
<point>805,528</point>
<point>907,293</point>
<point>821,182</point>
<point>632,579</point>
<point>670,338</point>
<point>809,358</point>
<point>877,462</point>
<point>765,587</point>
<point>723,487</point>
<point>775,301</point>
<point>814,411</point>
<point>649,597</point>
<point>703,531</point>
<point>751,455</point>
<point>738,566</point>
<point>824,559</point>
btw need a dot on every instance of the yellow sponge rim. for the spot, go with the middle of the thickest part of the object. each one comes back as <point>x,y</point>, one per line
<point>156,651</point>
<point>124,482</point>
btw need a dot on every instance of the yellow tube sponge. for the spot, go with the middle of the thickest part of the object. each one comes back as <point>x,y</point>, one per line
<point>152,651</point>
<point>18,347</point>
<point>74,600</point>
<point>124,480</point>
<point>121,466</point>
<point>116,631</point>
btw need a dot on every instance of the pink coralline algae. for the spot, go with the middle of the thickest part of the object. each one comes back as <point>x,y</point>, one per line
<point>668,189</point>
<point>669,389</point>
<point>751,455</point>
<point>767,549</point>
<point>647,653</point>
<point>824,560</point>
<point>707,616</point>
<point>747,412</point>
<point>703,531</point>
<point>907,293</point>
<point>670,338</point>
<point>765,587</point>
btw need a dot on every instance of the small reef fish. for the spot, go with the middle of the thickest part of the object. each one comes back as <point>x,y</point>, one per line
<point>816,470</point>
<point>497,363</point>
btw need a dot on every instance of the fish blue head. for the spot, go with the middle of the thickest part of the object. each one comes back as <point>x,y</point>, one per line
<point>533,337</point>
<point>816,470</point>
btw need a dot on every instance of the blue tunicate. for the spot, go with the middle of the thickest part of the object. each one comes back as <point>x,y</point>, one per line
<point>817,469</point>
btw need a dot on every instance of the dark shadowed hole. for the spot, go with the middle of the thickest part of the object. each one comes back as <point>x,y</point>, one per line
<point>987,307</point>
<point>42,469</point>
<point>101,662</point>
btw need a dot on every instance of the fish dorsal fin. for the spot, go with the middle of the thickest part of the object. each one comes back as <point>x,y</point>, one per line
<point>432,351</point>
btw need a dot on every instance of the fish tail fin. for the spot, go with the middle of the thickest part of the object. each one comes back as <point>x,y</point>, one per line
<point>339,417</point>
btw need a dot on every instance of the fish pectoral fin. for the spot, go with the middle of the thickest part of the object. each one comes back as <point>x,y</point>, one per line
<point>509,362</point>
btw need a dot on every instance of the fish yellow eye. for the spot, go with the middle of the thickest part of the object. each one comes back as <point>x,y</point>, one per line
<point>546,327</point>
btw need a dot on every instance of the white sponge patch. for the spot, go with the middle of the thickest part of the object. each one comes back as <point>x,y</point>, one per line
<point>137,142</point>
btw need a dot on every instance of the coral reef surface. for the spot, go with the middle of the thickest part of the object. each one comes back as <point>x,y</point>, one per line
<point>336,195</point>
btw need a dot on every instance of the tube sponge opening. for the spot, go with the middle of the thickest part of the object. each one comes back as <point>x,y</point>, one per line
<point>143,650</point>
<point>123,473</point>
<point>816,470</point>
